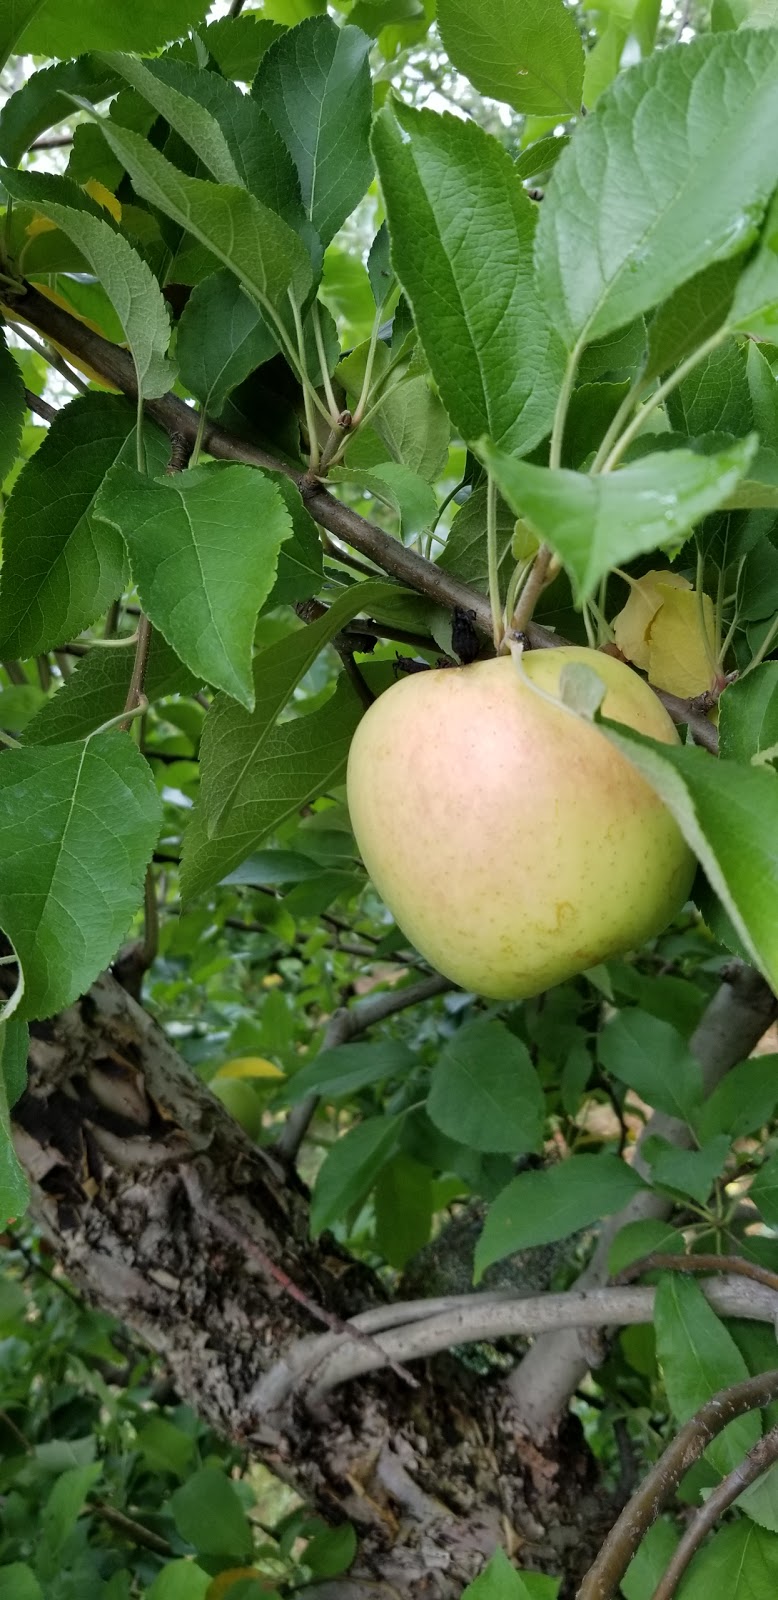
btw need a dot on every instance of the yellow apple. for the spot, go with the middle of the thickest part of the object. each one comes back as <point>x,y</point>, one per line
<point>514,845</point>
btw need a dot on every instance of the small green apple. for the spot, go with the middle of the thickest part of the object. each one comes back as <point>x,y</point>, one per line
<point>514,845</point>
<point>242,1103</point>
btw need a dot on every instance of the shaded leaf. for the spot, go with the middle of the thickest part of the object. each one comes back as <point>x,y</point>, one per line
<point>748,715</point>
<point>12,409</point>
<point>314,85</point>
<point>208,1513</point>
<point>221,338</point>
<point>654,1060</point>
<point>694,312</point>
<point>539,1207</point>
<point>14,1192</point>
<point>60,29</point>
<point>45,100</point>
<point>350,1169</point>
<point>61,568</point>
<point>346,1069</point>
<point>743,1102</point>
<point>78,824</point>
<point>688,1172</point>
<point>97,691</point>
<point>740,1561</point>
<point>403,1209</point>
<point>498,1581</point>
<point>485,1092</point>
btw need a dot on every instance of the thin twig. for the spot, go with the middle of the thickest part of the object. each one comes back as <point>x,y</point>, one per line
<point>346,1025</point>
<point>53,141</point>
<point>753,1466</point>
<point>138,679</point>
<point>604,1576</point>
<point>136,1532</point>
<point>659,1261</point>
<point>41,407</point>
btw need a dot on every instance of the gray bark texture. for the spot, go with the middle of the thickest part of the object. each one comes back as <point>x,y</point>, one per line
<point>167,1217</point>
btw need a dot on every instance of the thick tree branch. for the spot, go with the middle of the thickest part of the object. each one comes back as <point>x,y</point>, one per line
<point>349,1024</point>
<point>603,1579</point>
<point>323,1364</point>
<point>394,558</point>
<point>731,1026</point>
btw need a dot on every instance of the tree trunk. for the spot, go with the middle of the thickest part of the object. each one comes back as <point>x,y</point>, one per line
<point>167,1217</point>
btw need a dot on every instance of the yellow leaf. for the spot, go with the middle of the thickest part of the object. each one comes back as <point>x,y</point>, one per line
<point>681,643</point>
<point>104,198</point>
<point>221,1586</point>
<point>39,225</point>
<point>72,360</point>
<point>272,980</point>
<point>631,626</point>
<point>249,1067</point>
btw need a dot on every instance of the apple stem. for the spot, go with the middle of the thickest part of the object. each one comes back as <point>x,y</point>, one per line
<point>544,568</point>
<point>493,563</point>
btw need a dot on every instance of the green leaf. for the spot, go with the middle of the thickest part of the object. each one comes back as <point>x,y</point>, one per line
<point>740,1561</point>
<point>496,361</point>
<point>164,1447</point>
<point>743,1102</point>
<point>13,1076</point>
<point>257,245</point>
<point>403,1209</point>
<point>16,16</point>
<point>78,824</point>
<point>97,691</point>
<point>642,1238</point>
<point>45,100</point>
<point>728,815</point>
<point>748,716</point>
<point>233,741</point>
<point>409,495</point>
<point>689,1172</point>
<point>255,775</point>
<point>181,110</point>
<point>755,306</point>
<point>764,1191</point>
<point>485,1092</point>
<point>498,1581</point>
<point>180,1580</point>
<point>314,85</point>
<point>129,283</point>
<point>697,179</point>
<point>715,397</point>
<point>208,1513</point>
<point>595,523</point>
<point>698,1357</point>
<point>331,1551</point>
<point>58,30</point>
<point>203,547</point>
<point>238,44</point>
<point>414,428</point>
<point>300,556</point>
<point>18,1582</point>
<point>650,1562</point>
<point>539,1207</point>
<point>221,338</point>
<point>12,409</point>
<point>65,1504</point>
<point>530,56</point>
<point>465,550</point>
<point>692,314</point>
<point>350,1169</point>
<point>347,1068</point>
<point>603,61</point>
<point>654,1060</point>
<point>61,568</point>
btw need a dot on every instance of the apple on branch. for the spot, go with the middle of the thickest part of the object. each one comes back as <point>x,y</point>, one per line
<point>514,845</point>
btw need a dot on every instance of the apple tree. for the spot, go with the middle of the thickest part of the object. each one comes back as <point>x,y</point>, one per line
<point>402,379</point>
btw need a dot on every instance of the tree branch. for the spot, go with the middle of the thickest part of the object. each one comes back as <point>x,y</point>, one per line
<point>731,1026</point>
<point>394,558</point>
<point>348,1024</point>
<point>603,1578</point>
<point>323,1364</point>
<point>658,1261</point>
<point>753,1466</point>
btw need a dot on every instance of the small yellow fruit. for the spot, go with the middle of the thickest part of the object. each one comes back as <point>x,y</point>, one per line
<point>514,845</point>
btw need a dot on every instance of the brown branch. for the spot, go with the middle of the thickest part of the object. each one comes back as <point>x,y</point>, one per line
<point>346,1025</point>
<point>657,1260</point>
<point>117,367</point>
<point>39,406</point>
<point>142,648</point>
<point>753,1466</point>
<point>132,1530</point>
<point>53,141</point>
<point>604,1576</point>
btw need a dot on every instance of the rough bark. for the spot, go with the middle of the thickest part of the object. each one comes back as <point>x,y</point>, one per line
<point>136,1170</point>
